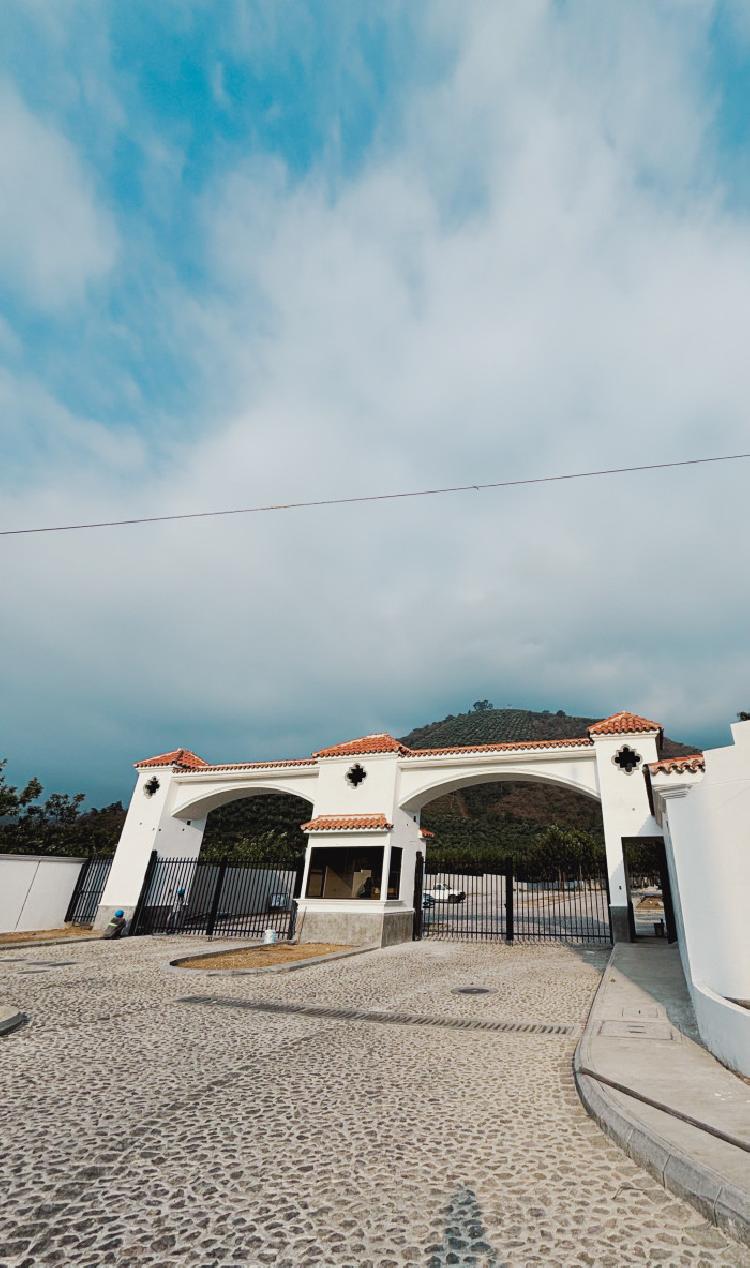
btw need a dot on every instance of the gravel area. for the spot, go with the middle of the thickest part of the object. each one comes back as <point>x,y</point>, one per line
<point>262,957</point>
<point>138,1128</point>
<point>40,935</point>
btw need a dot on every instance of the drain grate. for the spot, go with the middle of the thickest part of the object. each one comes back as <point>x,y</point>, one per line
<point>471,990</point>
<point>386,1019</point>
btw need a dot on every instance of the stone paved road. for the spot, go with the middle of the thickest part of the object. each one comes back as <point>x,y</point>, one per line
<point>138,1129</point>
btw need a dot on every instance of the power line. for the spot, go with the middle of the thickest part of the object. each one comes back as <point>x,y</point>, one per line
<point>372,497</point>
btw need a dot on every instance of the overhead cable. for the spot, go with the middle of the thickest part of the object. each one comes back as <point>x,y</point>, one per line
<point>371,497</point>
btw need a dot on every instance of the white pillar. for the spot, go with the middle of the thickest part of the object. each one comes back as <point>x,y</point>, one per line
<point>626,812</point>
<point>149,826</point>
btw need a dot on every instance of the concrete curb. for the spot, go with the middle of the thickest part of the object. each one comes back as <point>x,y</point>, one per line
<point>179,966</point>
<point>10,1019</point>
<point>52,942</point>
<point>719,1201</point>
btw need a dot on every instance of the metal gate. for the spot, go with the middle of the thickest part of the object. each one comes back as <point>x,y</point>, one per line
<point>501,906</point>
<point>86,896</point>
<point>220,900</point>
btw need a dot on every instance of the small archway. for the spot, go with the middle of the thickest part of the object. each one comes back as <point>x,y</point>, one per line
<point>246,874</point>
<point>261,829</point>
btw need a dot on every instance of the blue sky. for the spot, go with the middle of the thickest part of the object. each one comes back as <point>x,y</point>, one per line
<point>256,252</point>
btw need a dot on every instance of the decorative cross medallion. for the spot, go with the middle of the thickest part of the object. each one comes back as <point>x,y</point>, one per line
<point>151,787</point>
<point>356,775</point>
<point>627,759</point>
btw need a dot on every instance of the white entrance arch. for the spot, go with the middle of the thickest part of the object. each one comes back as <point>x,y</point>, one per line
<point>440,783</point>
<point>367,795</point>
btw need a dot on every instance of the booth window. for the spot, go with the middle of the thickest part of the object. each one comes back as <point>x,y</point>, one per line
<point>394,873</point>
<point>337,872</point>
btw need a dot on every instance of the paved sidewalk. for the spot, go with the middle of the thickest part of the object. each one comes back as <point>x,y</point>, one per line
<point>642,1036</point>
<point>358,1114</point>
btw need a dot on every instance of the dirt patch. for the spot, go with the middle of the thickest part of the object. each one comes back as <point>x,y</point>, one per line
<point>261,957</point>
<point>41,935</point>
<point>652,903</point>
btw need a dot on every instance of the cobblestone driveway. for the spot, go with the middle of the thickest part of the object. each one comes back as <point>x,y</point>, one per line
<point>140,1129</point>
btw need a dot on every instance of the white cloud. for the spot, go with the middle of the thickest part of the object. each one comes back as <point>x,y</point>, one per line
<point>55,239</point>
<point>541,278</point>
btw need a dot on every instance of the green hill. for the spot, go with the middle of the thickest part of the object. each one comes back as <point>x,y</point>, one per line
<point>485,725</point>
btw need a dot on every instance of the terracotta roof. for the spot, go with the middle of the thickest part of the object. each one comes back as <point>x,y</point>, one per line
<point>624,723</point>
<point>379,743</point>
<point>508,746</point>
<point>178,757</point>
<point>292,761</point>
<point>425,833</point>
<point>347,823</point>
<point>692,762</point>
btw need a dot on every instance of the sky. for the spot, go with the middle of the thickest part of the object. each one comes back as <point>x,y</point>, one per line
<point>255,252</point>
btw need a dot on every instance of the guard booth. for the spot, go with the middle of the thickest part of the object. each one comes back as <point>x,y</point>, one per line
<point>356,891</point>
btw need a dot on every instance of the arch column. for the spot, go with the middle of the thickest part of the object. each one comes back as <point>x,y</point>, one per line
<point>149,826</point>
<point>626,809</point>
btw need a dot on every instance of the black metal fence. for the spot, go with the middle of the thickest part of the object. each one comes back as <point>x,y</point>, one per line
<point>218,899</point>
<point>503,906</point>
<point>88,891</point>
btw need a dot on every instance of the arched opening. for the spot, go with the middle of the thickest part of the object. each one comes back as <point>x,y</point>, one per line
<point>247,875</point>
<point>262,830</point>
<point>513,858</point>
<point>491,820</point>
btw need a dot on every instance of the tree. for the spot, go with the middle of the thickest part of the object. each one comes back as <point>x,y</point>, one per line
<point>565,850</point>
<point>56,825</point>
<point>743,715</point>
<point>11,800</point>
<point>481,706</point>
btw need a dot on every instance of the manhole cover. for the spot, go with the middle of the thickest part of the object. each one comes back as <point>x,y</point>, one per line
<point>645,1029</point>
<point>472,990</point>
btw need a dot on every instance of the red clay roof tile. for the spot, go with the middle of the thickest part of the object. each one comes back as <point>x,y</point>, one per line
<point>347,823</point>
<point>624,723</point>
<point>379,743</point>
<point>178,757</point>
<point>692,762</point>
<point>507,746</point>
<point>290,761</point>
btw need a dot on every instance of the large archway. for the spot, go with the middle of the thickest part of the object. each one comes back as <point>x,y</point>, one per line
<point>511,859</point>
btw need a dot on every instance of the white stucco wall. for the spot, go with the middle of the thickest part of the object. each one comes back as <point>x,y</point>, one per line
<point>35,891</point>
<point>707,834</point>
<point>625,806</point>
<point>149,826</point>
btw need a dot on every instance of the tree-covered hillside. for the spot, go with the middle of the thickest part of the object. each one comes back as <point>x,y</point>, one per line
<point>484,724</point>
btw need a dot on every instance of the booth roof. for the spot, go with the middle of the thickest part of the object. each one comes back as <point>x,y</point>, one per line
<point>348,823</point>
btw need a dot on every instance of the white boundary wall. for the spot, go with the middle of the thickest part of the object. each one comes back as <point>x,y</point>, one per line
<point>707,835</point>
<point>35,890</point>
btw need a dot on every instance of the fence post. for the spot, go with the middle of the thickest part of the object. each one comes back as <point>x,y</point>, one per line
<point>509,902</point>
<point>77,890</point>
<point>216,900</point>
<point>137,914</point>
<point>418,888</point>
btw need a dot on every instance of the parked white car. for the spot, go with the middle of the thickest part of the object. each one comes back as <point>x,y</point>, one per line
<point>279,902</point>
<point>441,893</point>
